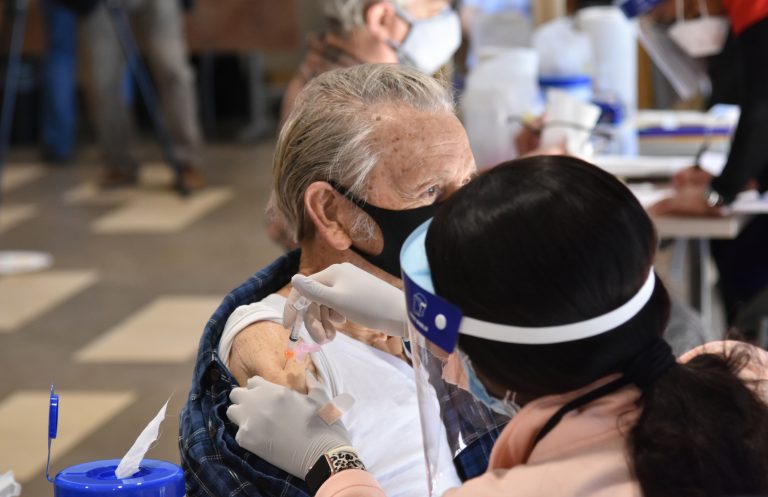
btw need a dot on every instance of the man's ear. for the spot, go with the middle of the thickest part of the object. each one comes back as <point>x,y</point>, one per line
<point>329,213</point>
<point>381,21</point>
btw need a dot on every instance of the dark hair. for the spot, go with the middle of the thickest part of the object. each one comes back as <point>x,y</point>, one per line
<point>552,240</point>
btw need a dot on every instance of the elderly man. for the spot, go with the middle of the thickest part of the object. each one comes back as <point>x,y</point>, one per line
<point>420,33</point>
<point>362,160</point>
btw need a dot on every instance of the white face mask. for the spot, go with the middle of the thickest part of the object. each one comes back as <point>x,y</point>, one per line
<point>699,37</point>
<point>431,42</point>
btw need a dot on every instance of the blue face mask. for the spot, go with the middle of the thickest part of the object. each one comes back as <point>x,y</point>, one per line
<point>505,407</point>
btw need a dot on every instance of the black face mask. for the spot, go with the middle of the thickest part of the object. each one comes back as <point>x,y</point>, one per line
<point>395,227</point>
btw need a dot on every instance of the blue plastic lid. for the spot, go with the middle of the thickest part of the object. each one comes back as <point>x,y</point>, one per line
<point>565,81</point>
<point>97,479</point>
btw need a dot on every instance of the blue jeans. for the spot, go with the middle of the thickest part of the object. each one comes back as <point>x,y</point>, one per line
<point>59,105</point>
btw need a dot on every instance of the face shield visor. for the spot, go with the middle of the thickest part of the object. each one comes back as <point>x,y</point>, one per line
<point>455,409</point>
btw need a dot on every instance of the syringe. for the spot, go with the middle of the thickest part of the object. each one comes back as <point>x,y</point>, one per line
<point>300,306</point>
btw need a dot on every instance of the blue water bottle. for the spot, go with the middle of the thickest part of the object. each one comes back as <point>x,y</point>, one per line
<point>97,478</point>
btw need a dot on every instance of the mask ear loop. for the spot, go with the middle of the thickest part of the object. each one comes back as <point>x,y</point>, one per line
<point>405,16</point>
<point>509,400</point>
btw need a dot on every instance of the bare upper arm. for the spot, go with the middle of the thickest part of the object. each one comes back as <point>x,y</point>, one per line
<point>258,350</point>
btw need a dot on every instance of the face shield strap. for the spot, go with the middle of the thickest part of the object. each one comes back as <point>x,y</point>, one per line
<point>441,322</point>
<point>562,333</point>
<point>436,323</point>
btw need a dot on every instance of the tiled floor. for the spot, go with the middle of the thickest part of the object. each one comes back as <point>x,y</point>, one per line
<point>20,175</point>
<point>115,323</point>
<point>24,297</point>
<point>13,215</point>
<point>169,324</point>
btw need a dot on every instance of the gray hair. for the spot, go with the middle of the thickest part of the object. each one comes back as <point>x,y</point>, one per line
<point>349,14</point>
<point>327,136</point>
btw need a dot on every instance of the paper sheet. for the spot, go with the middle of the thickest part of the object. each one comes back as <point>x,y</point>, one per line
<point>750,202</point>
<point>641,166</point>
<point>129,464</point>
<point>649,194</point>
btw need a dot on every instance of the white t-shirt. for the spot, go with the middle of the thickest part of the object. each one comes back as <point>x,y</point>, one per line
<point>384,423</point>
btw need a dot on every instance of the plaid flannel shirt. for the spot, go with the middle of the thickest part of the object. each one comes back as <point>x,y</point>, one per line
<point>214,464</point>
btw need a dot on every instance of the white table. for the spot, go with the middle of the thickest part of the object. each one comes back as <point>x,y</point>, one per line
<point>718,228</point>
<point>644,167</point>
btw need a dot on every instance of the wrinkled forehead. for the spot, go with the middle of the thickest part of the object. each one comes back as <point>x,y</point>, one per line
<point>412,144</point>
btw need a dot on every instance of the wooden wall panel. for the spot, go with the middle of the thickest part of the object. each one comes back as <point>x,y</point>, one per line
<point>243,25</point>
<point>212,26</point>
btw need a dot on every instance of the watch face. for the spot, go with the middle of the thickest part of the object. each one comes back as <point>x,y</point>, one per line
<point>713,199</point>
<point>342,460</point>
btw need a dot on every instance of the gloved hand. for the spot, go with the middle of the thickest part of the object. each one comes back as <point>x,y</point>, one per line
<point>283,426</point>
<point>346,291</point>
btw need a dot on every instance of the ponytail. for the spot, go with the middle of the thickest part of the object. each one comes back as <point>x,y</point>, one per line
<point>702,432</point>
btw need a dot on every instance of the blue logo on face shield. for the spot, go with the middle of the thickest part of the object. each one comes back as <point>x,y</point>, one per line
<point>431,316</point>
<point>419,306</point>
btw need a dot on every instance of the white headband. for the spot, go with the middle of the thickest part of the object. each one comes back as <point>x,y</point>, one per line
<point>418,279</point>
<point>562,333</point>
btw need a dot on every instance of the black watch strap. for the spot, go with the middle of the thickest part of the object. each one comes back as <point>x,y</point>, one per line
<point>331,463</point>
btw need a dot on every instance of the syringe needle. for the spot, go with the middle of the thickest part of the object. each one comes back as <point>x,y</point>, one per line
<point>300,306</point>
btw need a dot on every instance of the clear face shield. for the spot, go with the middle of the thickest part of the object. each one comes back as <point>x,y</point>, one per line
<point>452,419</point>
<point>456,410</point>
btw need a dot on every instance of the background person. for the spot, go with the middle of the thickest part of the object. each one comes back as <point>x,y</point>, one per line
<point>365,31</point>
<point>741,263</point>
<point>158,25</point>
<point>59,105</point>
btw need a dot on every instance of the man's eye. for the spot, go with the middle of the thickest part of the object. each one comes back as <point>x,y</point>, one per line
<point>433,191</point>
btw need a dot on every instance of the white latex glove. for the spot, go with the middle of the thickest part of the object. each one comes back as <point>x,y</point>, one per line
<point>282,426</point>
<point>346,291</point>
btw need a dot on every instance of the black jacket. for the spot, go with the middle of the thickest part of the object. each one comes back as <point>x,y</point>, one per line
<point>748,158</point>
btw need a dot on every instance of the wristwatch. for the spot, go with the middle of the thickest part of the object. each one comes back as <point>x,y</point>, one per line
<point>713,198</point>
<point>331,463</point>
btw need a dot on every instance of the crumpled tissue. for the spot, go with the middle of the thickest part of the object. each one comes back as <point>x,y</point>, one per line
<point>8,485</point>
<point>129,464</point>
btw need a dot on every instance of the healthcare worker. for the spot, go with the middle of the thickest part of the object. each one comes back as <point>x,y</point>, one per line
<point>533,288</point>
<point>741,263</point>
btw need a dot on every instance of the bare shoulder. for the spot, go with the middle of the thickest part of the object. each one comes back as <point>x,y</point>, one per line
<point>259,350</point>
